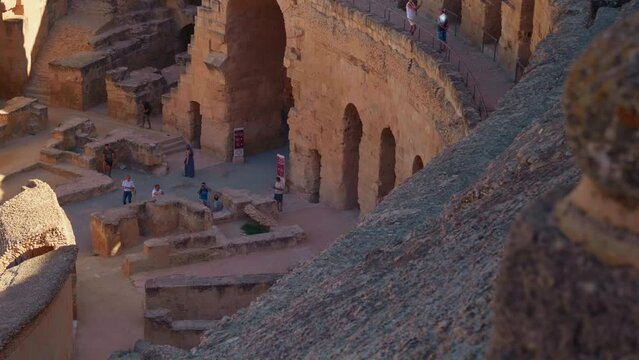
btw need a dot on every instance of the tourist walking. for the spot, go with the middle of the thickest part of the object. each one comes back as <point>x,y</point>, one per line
<point>128,190</point>
<point>189,162</point>
<point>157,191</point>
<point>411,13</point>
<point>108,156</point>
<point>203,194</point>
<point>442,29</point>
<point>279,187</point>
<point>146,113</point>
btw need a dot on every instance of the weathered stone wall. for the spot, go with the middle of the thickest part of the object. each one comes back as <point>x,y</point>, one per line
<point>391,83</point>
<point>480,17</point>
<point>24,29</point>
<point>546,15</point>
<point>37,307</point>
<point>46,224</point>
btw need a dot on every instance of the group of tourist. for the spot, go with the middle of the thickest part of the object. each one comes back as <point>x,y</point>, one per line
<point>442,22</point>
<point>129,191</point>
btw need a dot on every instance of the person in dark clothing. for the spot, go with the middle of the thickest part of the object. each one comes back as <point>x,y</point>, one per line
<point>108,156</point>
<point>189,162</point>
<point>146,113</point>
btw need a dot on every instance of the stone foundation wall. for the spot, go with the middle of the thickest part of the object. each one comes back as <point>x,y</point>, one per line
<point>78,81</point>
<point>120,228</point>
<point>205,298</point>
<point>126,89</point>
<point>21,116</point>
<point>177,306</point>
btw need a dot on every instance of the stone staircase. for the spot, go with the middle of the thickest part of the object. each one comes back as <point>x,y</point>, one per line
<point>173,145</point>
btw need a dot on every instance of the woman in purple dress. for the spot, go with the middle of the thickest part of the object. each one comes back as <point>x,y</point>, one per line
<point>189,163</point>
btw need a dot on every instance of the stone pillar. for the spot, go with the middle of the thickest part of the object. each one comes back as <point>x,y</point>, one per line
<point>567,287</point>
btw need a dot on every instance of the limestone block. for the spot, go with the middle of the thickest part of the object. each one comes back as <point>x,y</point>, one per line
<point>114,230</point>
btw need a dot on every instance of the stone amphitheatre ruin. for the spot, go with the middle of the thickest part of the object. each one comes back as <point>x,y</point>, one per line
<point>477,199</point>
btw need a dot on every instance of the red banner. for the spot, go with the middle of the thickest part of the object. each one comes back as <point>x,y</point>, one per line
<point>238,144</point>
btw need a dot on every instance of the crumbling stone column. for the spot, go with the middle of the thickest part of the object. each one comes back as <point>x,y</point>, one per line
<point>568,284</point>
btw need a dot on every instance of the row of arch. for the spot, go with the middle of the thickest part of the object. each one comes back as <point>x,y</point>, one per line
<point>353,133</point>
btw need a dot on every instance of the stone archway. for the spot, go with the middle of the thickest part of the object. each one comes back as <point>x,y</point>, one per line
<point>350,168</point>
<point>255,72</point>
<point>418,164</point>
<point>387,176</point>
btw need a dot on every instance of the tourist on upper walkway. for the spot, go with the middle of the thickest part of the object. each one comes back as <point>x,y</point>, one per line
<point>217,203</point>
<point>279,187</point>
<point>411,13</point>
<point>203,194</point>
<point>442,29</point>
<point>128,190</point>
<point>189,163</point>
<point>146,113</point>
<point>108,156</point>
<point>157,191</point>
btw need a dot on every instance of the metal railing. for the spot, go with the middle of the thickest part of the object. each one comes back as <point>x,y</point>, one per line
<point>427,38</point>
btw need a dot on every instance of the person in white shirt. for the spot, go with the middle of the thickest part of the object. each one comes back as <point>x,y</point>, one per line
<point>411,13</point>
<point>279,187</point>
<point>442,29</point>
<point>128,189</point>
<point>156,192</point>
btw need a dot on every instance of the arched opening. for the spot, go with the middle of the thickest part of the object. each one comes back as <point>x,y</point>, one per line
<point>418,164</point>
<point>195,125</point>
<point>184,37</point>
<point>315,176</point>
<point>256,39</point>
<point>387,175</point>
<point>350,168</point>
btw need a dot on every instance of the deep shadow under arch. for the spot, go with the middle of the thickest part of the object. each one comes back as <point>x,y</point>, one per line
<point>387,176</point>
<point>352,139</point>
